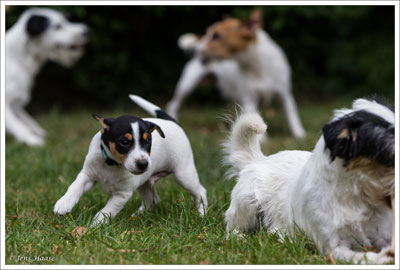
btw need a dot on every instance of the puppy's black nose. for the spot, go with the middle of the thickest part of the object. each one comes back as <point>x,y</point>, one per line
<point>142,164</point>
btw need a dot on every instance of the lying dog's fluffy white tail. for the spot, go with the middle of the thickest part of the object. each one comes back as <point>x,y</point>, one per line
<point>242,145</point>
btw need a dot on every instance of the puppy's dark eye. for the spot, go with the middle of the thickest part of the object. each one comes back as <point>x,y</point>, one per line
<point>58,26</point>
<point>125,142</point>
<point>216,36</point>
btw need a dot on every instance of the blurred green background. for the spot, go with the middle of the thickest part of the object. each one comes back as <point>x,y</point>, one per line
<point>333,50</point>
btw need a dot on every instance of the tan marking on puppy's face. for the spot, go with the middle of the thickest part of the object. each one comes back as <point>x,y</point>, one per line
<point>128,136</point>
<point>145,136</point>
<point>121,157</point>
<point>225,38</point>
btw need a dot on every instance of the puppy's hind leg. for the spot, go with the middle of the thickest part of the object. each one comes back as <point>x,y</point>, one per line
<point>188,178</point>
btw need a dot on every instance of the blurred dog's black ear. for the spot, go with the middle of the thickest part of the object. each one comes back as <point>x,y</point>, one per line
<point>341,137</point>
<point>37,24</point>
<point>153,127</point>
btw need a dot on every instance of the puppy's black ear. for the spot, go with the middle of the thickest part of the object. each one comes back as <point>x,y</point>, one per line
<point>341,137</point>
<point>153,127</point>
<point>104,122</point>
<point>36,25</point>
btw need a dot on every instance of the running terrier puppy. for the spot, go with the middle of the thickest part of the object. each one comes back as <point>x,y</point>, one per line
<point>40,34</point>
<point>341,194</point>
<point>250,68</point>
<point>126,156</point>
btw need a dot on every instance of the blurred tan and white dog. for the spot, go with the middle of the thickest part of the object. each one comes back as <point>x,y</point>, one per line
<point>341,194</point>
<point>250,68</point>
<point>40,34</point>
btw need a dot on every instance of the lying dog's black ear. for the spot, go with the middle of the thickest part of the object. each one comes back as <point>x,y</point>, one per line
<point>341,137</point>
<point>153,127</point>
<point>104,122</point>
<point>36,25</point>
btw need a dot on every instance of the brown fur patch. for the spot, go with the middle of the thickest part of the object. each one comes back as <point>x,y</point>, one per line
<point>228,37</point>
<point>145,136</point>
<point>121,157</point>
<point>128,136</point>
<point>370,167</point>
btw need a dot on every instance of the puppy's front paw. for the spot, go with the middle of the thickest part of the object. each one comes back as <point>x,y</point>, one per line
<point>64,206</point>
<point>99,219</point>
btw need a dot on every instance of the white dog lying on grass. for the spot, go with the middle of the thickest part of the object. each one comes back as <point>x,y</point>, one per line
<point>341,194</point>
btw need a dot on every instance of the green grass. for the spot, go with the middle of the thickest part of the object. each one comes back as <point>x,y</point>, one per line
<point>171,232</point>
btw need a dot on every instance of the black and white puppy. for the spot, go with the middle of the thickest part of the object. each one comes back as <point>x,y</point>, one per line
<point>39,35</point>
<point>126,156</point>
<point>340,194</point>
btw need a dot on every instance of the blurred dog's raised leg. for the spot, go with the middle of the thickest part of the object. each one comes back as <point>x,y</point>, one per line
<point>193,72</point>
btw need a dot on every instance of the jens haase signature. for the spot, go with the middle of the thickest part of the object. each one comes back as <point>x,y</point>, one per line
<point>36,258</point>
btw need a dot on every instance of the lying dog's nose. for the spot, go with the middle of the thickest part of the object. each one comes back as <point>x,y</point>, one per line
<point>142,164</point>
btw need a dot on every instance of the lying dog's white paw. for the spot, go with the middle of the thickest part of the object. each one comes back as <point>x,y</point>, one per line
<point>386,255</point>
<point>64,206</point>
<point>234,233</point>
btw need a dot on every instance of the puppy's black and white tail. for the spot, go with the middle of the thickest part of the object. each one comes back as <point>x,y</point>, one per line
<point>243,143</point>
<point>152,109</point>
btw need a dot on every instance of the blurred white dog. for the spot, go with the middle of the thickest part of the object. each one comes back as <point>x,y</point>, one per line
<point>40,34</point>
<point>250,68</point>
<point>341,194</point>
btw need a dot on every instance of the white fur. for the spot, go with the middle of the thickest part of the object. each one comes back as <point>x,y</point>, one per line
<point>24,58</point>
<point>252,76</point>
<point>147,106</point>
<point>171,154</point>
<point>323,198</point>
<point>187,41</point>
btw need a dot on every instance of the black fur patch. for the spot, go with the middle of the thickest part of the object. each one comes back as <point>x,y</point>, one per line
<point>37,24</point>
<point>163,115</point>
<point>360,134</point>
<point>117,129</point>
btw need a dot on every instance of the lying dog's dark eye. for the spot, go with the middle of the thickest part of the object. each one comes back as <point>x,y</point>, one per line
<point>216,36</point>
<point>58,26</point>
